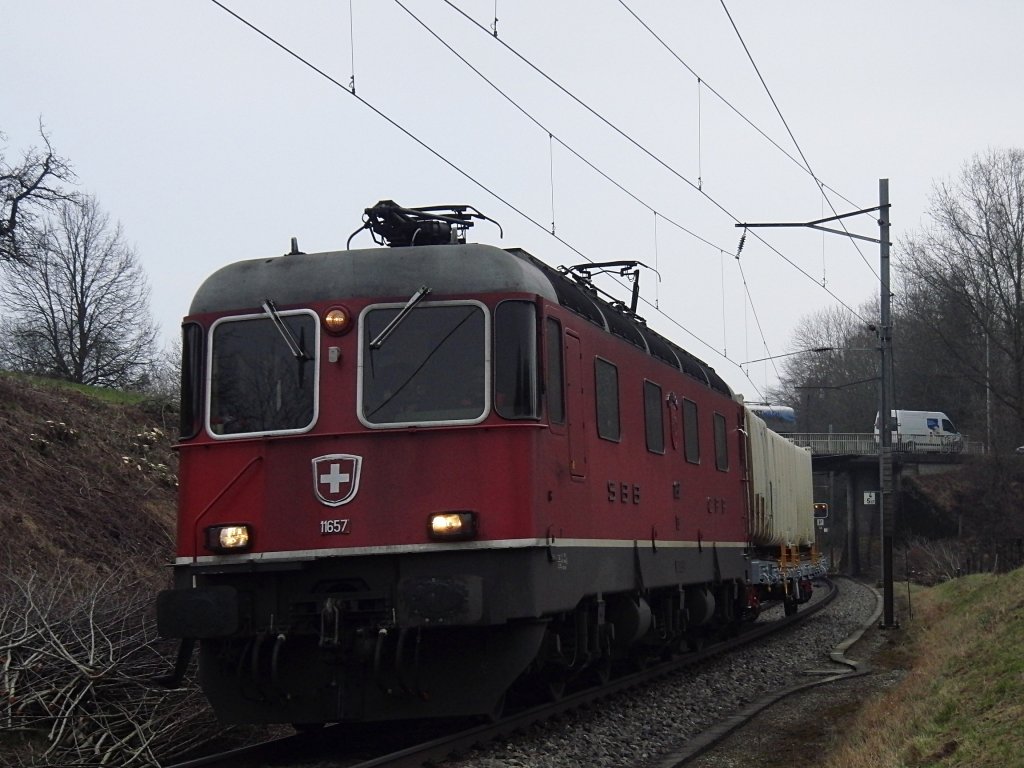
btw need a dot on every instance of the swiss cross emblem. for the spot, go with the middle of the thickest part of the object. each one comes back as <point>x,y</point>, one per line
<point>336,478</point>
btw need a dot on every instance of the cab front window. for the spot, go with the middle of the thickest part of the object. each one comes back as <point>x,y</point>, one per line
<point>258,383</point>
<point>430,367</point>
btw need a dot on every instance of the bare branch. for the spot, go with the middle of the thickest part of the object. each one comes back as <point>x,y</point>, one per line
<point>964,279</point>
<point>76,663</point>
<point>32,185</point>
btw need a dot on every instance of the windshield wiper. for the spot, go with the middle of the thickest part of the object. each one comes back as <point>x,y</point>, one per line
<point>390,327</point>
<point>294,346</point>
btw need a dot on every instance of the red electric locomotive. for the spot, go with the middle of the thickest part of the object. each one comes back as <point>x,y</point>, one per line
<point>413,477</point>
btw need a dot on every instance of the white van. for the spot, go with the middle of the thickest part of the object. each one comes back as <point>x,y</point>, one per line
<point>925,431</point>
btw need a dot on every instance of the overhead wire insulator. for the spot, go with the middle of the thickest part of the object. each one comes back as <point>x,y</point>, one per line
<point>700,174</point>
<point>743,240</point>
<point>551,166</point>
<point>352,48</point>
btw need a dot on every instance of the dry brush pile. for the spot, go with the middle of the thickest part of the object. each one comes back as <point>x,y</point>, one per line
<point>78,666</point>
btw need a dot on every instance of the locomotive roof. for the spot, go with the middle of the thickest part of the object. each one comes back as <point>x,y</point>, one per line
<point>370,272</point>
<point>299,278</point>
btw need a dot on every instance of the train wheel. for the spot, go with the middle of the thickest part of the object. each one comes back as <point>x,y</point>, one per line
<point>497,711</point>
<point>641,658</point>
<point>554,687</point>
<point>790,606</point>
<point>602,670</point>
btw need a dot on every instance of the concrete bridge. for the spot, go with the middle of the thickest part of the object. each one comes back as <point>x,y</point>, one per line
<point>856,456</point>
<point>866,444</point>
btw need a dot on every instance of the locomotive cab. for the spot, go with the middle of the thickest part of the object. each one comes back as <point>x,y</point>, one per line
<point>354,425</point>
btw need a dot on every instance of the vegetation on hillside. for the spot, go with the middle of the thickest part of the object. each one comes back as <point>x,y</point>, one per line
<point>961,702</point>
<point>963,521</point>
<point>83,481</point>
<point>88,490</point>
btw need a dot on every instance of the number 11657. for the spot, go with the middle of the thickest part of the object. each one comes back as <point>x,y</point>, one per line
<point>328,527</point>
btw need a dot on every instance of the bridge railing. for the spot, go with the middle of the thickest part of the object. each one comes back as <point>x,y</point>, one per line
<point>865,443</point>
<point>829,443</point>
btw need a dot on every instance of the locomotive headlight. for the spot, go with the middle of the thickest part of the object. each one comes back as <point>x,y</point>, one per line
<point>337,320</point>
<point>228,538</point>
<point>452,526</point>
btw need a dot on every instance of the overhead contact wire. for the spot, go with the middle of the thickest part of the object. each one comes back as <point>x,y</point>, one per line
<point>807,164</point>
<point>725,101</point>
<point>393,123</point>
<point>757,320</point>
<point>803,166</point>
<point>651,155</point>
<point>551,136</point>
<point>600,172</point>
<point>453,166</point>
<point>589,164</point>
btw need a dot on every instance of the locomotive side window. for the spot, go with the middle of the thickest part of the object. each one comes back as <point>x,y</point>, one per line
<point>258,384</point>
<point>606,381</point>
<point>515,360</point>
<point>721,443</point>
<point>554,377</point>
<point>191,380</point>
<point>654,417</point>
<point>691,436</point>
<point>430,369</point>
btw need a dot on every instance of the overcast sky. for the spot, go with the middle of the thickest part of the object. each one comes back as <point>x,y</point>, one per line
<point>210,145</point>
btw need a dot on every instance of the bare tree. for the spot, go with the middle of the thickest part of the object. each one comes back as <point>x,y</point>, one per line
<point>934,560</point>
<point>165,375</point>
<point>834,383</point>
<point>967,275</point>
<point>26,187</point>
<point>78,309</point>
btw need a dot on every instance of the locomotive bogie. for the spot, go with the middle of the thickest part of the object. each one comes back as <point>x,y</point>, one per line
<point>403,675</point>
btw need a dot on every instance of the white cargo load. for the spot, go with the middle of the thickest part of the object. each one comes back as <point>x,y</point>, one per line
<point>781,492</point>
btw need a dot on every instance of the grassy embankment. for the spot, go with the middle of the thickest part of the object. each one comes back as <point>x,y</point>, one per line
<point>961,702</point>
<point>116,396</point>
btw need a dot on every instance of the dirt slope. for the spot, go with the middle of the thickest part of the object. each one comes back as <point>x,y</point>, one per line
<point>84,482</point>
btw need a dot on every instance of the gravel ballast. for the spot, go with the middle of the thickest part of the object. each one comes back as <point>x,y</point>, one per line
<point>650,725</point>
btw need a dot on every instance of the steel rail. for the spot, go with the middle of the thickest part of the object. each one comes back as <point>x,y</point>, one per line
<point>299,748</point>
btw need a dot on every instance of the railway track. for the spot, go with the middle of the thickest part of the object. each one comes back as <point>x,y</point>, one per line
<point>404,746</point>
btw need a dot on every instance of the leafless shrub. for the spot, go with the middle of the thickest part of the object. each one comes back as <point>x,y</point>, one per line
<point>77,662</point>
<point>930,560</point>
